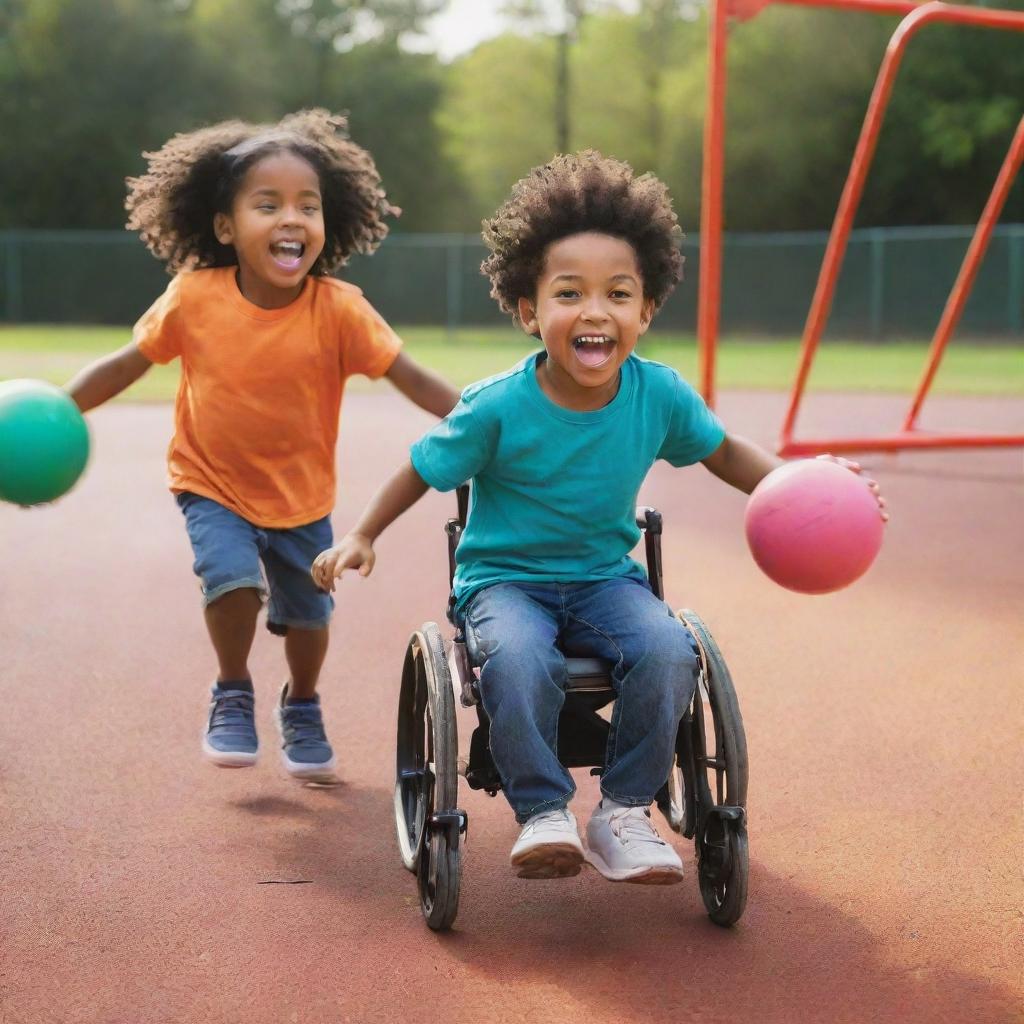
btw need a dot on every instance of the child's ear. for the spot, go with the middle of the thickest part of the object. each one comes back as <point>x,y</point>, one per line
<point>222,229</point>
<point>528,317</point>
<point>646,315</point>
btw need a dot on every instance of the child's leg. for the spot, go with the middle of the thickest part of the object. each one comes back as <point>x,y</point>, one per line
<point>300,612</point>
<point>226,549</point>
<point>231,623</point>
<point>655,671</point>
<point>305,650</point>
<point>510,632</point>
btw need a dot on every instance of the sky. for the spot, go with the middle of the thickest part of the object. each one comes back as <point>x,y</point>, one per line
<point>462,25</point>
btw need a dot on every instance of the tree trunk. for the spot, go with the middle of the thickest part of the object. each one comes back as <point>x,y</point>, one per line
<point>562,133</point>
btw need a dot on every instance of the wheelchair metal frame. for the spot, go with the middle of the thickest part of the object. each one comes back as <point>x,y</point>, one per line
<point>704,798</point>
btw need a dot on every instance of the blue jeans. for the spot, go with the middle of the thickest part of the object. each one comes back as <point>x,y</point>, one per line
<point>517,633</point>
<point>229,549</point>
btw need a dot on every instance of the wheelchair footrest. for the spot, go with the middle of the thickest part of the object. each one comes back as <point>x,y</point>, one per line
<point>452,823</point>
<point>716,843</point>
<point>736,816</point>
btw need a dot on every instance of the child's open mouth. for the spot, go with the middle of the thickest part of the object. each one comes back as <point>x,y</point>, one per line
<point>593,350</point>
<point>287,255</point>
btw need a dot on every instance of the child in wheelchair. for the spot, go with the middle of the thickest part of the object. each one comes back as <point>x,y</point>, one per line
<point>582,255</point>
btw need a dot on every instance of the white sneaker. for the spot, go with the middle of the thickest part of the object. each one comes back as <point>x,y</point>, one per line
<point>624,846</point>
<point>548,847</point>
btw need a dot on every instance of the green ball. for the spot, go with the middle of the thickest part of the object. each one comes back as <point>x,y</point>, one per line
<point>44,442</point>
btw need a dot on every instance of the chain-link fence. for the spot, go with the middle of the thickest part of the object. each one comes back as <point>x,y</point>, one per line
<point>894,282</point>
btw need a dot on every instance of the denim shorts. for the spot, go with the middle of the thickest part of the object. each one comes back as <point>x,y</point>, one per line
<point>229,549</point>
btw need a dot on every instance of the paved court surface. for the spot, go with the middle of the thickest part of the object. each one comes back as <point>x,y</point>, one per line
<point>884,726</point>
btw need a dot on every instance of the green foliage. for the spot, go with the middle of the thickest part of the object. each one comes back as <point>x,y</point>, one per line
<point>381,87</point>
<point>85,87</point>
<point>955,107</point>
<point>497,119</point>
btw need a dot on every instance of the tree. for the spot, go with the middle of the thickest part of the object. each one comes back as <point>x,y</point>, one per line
<point>85,87</point>
<point>955,106</point>
<point>336,26</point>
<point>495,114</point>
<point>392,99</point>
<point>494,119</point>
<point>566,17</point>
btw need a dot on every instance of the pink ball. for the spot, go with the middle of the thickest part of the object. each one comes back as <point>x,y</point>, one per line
<point>813,526</point>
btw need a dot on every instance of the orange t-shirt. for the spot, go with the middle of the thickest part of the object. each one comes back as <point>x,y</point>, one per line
<point>256,416</point>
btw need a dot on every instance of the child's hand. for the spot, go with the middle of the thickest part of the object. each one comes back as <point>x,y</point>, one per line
<point>854,467</point>
<point>353,551</point>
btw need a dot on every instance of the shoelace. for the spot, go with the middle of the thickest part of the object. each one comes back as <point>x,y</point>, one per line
<point>549,818</point>
<point>234,711</point>
<point>634,825</point>
<point>303,724</point>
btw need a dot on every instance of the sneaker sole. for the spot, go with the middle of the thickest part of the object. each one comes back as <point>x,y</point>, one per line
<point>229,758</point>
<point>303,771</point>
<point>659,875</point>
<point>550,860</point>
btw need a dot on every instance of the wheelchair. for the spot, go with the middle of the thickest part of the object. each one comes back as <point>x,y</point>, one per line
<point>704,798</point>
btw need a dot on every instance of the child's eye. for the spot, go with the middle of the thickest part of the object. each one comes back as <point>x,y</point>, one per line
<point>620,294</point>
<point>311,209</point>
<point>566,293</point>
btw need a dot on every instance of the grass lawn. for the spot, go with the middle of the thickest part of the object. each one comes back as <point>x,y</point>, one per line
<point>56,353</point>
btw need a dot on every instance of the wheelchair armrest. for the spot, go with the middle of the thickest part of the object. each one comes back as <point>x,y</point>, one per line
<point>648,519</point>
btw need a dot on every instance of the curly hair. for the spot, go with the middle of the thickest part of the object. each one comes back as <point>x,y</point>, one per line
<point>197,174</point>
<point>575,193</point>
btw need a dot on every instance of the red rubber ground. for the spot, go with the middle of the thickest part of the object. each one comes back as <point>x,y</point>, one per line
<point>884,726</point>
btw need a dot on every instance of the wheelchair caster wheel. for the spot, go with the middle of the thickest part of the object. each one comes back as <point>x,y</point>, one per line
<point>723,864</point>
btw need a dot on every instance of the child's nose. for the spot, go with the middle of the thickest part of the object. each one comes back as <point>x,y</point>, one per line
<point>594,311</point>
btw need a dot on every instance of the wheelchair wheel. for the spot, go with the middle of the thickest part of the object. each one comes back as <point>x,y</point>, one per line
<point>718,752</point>
<point>426,786</point>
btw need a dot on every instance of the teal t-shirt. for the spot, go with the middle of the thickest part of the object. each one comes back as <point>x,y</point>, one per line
<point>554,491</point>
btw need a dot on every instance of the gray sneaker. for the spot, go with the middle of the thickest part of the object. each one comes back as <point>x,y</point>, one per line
<point>230,740</point>
<point>305,751</point>
<point>548,846</point>
<point>624,846</point>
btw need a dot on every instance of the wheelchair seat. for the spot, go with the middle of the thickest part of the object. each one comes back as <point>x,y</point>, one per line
<point>589,675</point>
<point>586,675</point>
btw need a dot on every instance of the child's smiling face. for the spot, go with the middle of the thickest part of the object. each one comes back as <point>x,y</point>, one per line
<point>590,311</point>
<point>276,226</point>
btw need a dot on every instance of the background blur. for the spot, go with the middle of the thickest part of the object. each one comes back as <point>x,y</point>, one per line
<point>456,100</point>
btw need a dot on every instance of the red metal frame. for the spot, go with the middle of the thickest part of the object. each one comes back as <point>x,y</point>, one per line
<point>709,298</point>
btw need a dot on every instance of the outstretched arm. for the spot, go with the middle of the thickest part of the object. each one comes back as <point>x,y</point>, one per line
<point>741,463</point>
<point>421,386</point>
<point>107,377</point>
<point>744,464</point>
<point>355,549</point>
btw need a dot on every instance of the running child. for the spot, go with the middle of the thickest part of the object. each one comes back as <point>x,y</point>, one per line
<point>252,220</point>
<point>582,255</point>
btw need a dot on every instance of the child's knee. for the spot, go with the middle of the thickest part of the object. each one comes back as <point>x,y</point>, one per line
<point>675,666</point>
<point>526,675</point>
<point>525,666</point>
